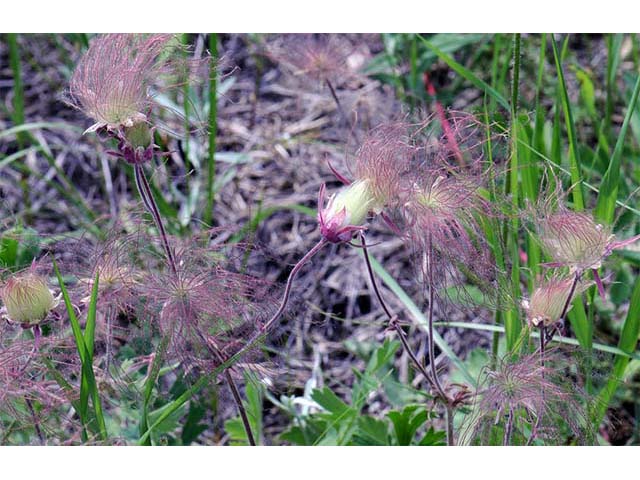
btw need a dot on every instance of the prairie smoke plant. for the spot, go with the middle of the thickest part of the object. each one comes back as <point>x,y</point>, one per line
<point>111,84</point>
<point>210,315</point>
<point>323,58</point>
<point>318,56</point>
<point>25,394</point>
<point>523,400</point>
<point>345,212</point>
<point>381,169</point>
<point>119,286</point>
<point>575,240</point>
<point>112,80</point>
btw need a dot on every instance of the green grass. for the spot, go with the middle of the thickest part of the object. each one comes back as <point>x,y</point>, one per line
<point>84,344</point>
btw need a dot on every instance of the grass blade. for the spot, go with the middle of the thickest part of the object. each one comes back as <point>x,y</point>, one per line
<point>627,344</point>
<point>574,156</point>
<point>213,127</point>
<point>152,377</point>
<point>88,382</point>
<point>608,195</point>
<point>468,75</point>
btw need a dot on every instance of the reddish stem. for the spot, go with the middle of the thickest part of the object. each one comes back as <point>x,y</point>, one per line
<point>446,126</point>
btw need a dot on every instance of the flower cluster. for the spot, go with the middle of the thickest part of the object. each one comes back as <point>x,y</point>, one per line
<point>576,242</point>
<point>404,173</point>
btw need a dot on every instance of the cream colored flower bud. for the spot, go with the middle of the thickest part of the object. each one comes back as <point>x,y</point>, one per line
<point>27,298</point>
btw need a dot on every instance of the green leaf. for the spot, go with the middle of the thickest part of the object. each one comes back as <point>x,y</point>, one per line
<point>330,401</point>
<point>371,432</point>
<point>468,75</point>
<point>88,384</point>
<point>574,155</point>
<point>152,377</point>
<point>608,195</point>
<point>627,343</point>
<point>407,422</point>
<point>433,438</point>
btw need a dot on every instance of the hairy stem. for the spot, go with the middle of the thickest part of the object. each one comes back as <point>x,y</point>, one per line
<point>431,345</point>
<point>264,330</point>
<point>336,100</point>
<point>565,309</point>
<point>241,409</point>
<point>392,318</point>
<point>543,344</point>
<point>431,379</point>
<point>36,425</point>
<point>508,429</point>
<point>430,340</point>
<point>287,290</point>
<point>149,202</point>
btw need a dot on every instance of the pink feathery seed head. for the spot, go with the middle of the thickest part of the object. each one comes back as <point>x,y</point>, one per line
<point>533,392</point>
<point>23,376</point>
<point>577,241</point>
<point>116,263</point>
<point>574,240</point>
<point>444,210</point>
<point>442,221</point>
<point>115,81</point>
<point>461,140</point>
<point>385,159</point>
<point>112,80</point>
<point>319,56</point>
<point>208,311</point>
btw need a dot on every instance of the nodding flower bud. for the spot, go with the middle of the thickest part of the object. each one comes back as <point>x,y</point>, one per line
<point>27,299</point>
<point>346,211</point>
<point>548,301</point>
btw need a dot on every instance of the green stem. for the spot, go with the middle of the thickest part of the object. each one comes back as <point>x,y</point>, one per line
<point>213,127</point>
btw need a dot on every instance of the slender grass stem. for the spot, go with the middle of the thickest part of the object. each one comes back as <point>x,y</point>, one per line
<point>147,198</point>
<point>213,128</point>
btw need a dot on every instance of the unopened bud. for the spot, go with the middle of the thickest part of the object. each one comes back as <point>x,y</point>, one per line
<point>347,211</point>
<point>27,298</point>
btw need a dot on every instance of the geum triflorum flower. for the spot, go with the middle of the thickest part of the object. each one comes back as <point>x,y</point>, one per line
<point>575,240</point>
<point>111,85</point>
<point>27,298</point>
<point>381,168</point>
